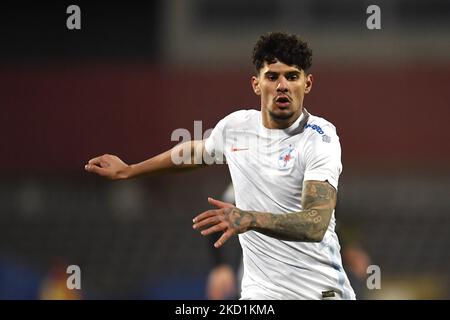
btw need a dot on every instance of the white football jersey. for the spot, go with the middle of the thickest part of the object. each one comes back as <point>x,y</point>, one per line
<point>268,167</point>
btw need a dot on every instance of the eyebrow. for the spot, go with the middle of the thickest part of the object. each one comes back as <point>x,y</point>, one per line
<point>291,72</point>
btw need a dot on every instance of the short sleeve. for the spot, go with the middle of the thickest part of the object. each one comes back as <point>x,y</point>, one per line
<point>214,144</point>
<point>323,157</point>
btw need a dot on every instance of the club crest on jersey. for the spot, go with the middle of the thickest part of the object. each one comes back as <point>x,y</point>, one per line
<point>286,157</point>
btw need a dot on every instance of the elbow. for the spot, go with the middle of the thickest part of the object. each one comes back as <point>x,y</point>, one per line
<point>317,236</point>
<point>316,239</point>
<point>320,227</point>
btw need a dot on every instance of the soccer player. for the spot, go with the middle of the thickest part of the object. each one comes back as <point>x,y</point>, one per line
<point>285,165</point>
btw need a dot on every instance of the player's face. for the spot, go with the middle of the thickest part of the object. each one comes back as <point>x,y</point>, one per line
<point>282,89</point>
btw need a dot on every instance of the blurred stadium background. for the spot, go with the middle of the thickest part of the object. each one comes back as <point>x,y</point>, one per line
<point>138,70</point>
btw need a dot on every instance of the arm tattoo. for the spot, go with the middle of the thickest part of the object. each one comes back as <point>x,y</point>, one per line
<point>240,219</point>
<point>309,225</point>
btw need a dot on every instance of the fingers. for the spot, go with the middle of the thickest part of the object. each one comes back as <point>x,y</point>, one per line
<point>206,222</point>
<point>211,213</point>
<point>95,169</point>
<point>98,164</point>
<point>102,161</point>
<point>96,160</point>
<point>219,204</point>
<point>214,219</point>
<point>205,215</point>
<point>216,228</point>
<point>225,236</point>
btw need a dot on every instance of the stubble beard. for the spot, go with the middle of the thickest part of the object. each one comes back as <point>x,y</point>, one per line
<point>281,117</point>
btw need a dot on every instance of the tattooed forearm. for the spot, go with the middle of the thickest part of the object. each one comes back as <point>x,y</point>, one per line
<point>305,225</point>
<point>309,225</point>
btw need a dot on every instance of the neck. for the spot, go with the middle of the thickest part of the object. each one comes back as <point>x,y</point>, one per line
<point>272,122</point>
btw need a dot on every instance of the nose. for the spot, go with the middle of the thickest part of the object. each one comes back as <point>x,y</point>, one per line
<point>282,85</point>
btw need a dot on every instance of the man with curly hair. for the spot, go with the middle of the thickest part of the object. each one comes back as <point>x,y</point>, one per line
<point>285,165</point>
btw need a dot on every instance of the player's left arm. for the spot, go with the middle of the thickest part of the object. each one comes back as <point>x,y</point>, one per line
<point>307,225</point>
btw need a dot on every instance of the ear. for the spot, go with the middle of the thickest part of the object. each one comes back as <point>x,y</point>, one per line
<point>255,85</point>
<point>308,82</point>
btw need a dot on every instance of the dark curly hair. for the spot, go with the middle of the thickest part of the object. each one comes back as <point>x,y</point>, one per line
<point>286,48</point>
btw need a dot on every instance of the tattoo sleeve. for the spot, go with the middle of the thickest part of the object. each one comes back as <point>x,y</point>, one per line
<point>308,225</point>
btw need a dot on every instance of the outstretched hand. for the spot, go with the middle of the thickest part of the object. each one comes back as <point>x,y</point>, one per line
<point>227,218</point>
<point>108,166</point>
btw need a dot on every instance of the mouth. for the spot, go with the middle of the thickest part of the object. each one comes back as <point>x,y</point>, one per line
<point>282,101</point>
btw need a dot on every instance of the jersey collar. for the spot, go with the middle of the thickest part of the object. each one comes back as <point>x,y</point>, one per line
<point>296,128</point>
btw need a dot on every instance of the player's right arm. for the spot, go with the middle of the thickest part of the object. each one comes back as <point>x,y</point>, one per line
<point>182,157</point>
